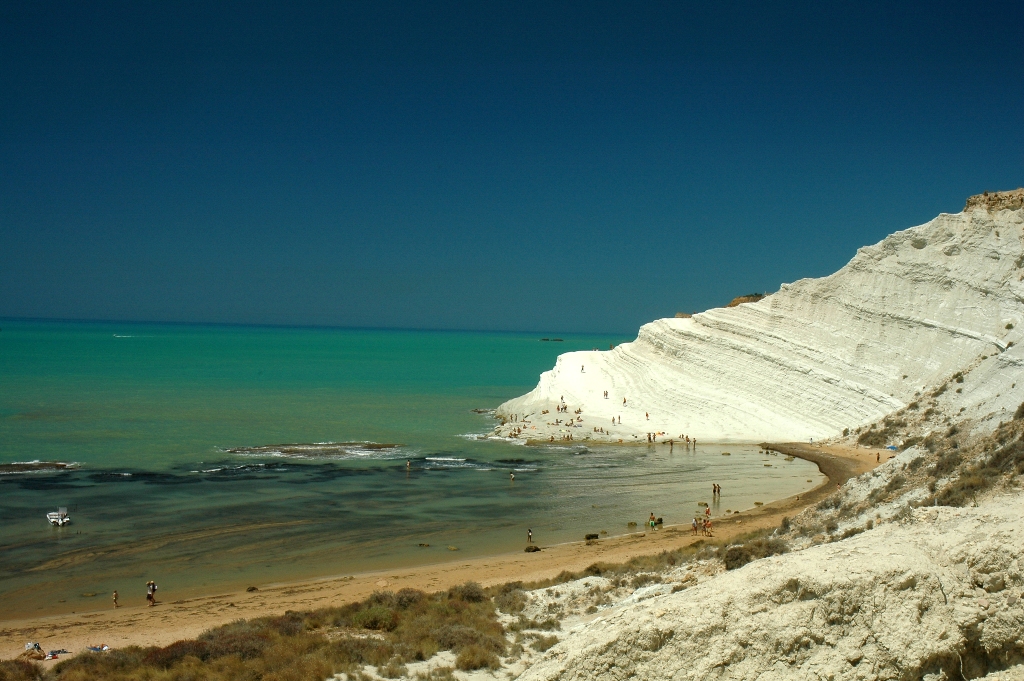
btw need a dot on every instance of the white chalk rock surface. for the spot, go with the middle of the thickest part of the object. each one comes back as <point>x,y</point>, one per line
<point>927,598</point>
<point>818,356</point>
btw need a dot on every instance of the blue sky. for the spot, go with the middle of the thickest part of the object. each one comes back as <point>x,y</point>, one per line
<point>523,166</point>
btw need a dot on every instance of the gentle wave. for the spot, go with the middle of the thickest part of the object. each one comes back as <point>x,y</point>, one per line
<point>323,450</point>
<point>36,467</point>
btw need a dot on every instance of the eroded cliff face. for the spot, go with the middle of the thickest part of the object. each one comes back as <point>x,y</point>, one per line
<point>820,355</point>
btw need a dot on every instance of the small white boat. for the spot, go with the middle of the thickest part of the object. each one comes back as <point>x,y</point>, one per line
<point>60,517</point>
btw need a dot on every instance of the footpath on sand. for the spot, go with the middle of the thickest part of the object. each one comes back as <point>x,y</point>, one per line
<point>172,621</point>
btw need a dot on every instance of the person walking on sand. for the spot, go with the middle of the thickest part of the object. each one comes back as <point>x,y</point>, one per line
<point>878,457</point>
<point>647,415</point>
<point>694,525</point>
<point>529,536</point>
<point>116,604</point>
<point>623,401</point>
<point>151,592</point>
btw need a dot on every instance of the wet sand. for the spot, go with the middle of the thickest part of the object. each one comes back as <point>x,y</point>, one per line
<point>172,620</point>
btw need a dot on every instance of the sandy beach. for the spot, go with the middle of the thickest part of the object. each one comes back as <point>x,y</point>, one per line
<point>177,619</point>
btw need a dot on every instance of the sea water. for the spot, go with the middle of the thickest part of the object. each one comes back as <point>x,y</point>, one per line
<point>210,458</point>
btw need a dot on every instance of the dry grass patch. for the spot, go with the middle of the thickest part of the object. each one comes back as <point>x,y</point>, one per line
<point>387,630</point>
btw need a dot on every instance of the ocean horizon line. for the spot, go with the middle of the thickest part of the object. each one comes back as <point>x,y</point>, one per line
<point>326,327</point>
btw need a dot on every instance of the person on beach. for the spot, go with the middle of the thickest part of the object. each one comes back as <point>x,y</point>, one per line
<point>116,604</point>
<point>647,415</point>
<point>623,401</point>
<point>512,477</point>
<point>529,536</point>
<point>408,464</point>
<point>653,521</point>
<point>620,420</point>
<point>581,369</point>
<point>151,592</point>
<point>707,511</point>
<point>707,526</point>
<point>878,457</point>
<point>606,394</point>
<point>694,524</point>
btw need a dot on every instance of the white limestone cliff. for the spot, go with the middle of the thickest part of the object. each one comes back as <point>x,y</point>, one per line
<point>820,355</point>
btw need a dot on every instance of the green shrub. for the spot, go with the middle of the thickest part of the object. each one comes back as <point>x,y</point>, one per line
<point>470,592</point>
<point>476,657</point>
<point>407,598</point>
<point>895,483</point>
<point>376,618</point>
<point>20,670</point>
<point>963,490</point>
<point>542,643</point>
<point>947,463</point>
<point>511,598</point>
<point>643,579</point>
<point>872,438</point>
<point>741,554</point>
<point>164,658</point>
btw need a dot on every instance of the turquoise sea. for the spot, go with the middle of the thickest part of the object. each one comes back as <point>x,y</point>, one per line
<point>213,457</point>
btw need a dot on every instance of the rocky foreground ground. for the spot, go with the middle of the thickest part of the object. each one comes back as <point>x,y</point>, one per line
<point>910,571</point>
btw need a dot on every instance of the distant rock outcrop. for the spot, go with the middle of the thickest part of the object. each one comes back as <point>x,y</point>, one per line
<point>749,298</point>
<point>1011,200</point>
<point>820,355</point>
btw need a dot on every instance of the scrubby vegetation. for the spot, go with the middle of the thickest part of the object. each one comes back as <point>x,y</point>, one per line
<point>20,670</point>
<point>739,555</point>
<point>889,430</point>
<point>387,630</point>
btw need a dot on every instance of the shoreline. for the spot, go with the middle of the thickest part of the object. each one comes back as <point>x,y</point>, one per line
<point>172,621</point>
